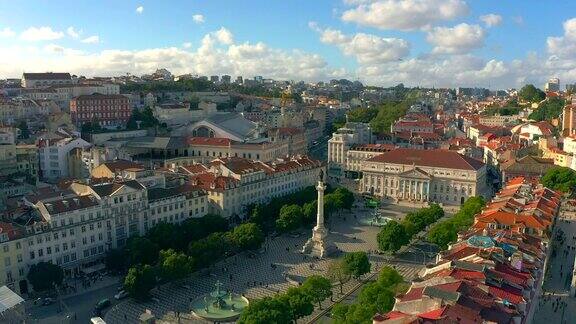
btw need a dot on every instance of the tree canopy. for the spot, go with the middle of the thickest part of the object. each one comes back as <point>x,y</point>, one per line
<point>548,110</point>
<point>357,263</point>
<point>532,94</point>
<point>560,178</point>
<point>142,251</point>
<point>375,297</point>
<point>446,232</point>
<point>247,236</point>
<point>44,275</point>
<point>139,281</point>
<point>266,310</point>
<point>392,236</point>
<point>174,265</point>
<point>318,288</point>
<point>291,217</point>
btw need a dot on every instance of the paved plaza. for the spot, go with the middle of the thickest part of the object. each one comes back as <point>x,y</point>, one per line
<point>279,266</point>
<point>555,305</point>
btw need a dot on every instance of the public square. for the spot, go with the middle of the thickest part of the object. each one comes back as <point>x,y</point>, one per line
<point>274,269</point>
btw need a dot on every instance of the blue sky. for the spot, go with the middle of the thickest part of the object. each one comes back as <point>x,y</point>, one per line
<point>410,41</point>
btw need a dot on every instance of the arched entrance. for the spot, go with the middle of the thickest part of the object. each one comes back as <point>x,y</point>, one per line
<point>461,200</point>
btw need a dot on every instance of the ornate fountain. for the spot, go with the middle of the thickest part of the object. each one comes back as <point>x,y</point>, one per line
<point>219,305</point>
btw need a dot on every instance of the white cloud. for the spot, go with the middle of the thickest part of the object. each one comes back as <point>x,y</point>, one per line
<point>459,39</point>
<point>404,14</point>
<point>224,36</point>
<point>6,32</point>
<point>210,57</point>
<point>366,48</point>
<point>139,10</point>
<point>73,32</point>
<point>187,45</point>
<point>95,39</point>
<point>491,20</point>
<point>33,34</point>
<point>198,18</point>
<point>564,46</point>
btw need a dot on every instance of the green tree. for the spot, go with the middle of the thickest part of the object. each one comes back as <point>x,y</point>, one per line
<point>247,236</point>
<point>346,197</point>
<point>257,215</point>
<point>357,263</point>
<point>362,115</point>
<point>377,297</point>
<point>165,235</point>
<point>388,113</point>
<point>291,217</point>
<point>145,117</point>
<point>210,249</point>
<point>339,312</point>
<point>139,281</point>
<point>391,237</point>
<point>116,259</point>
<point>266,310</point>
<point>551,108</point>
<point>443,234</point>
<point>174,265</point>
<point>45,275</point>
<point>560,178</point>
<point>530,93</point>
<point>309,210</point>
<point>299,303</point>
<point>389,277</point>
<point>142,251</point>
<point>318,288</point>
<point>338,272</point>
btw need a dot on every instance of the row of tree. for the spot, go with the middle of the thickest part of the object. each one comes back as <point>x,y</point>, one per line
<point>298,302</point>
<point>375,297</point>
<point>395,234</point>
<point>446,232</point>
<point>295,210</point>
<point>172,251</point>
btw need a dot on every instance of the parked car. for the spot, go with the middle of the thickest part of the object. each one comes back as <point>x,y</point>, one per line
<point>48,301</point>
<point>102,304</point>
<point>121,295</point>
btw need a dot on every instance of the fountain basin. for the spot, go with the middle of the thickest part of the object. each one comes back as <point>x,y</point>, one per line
<point>210,308</point>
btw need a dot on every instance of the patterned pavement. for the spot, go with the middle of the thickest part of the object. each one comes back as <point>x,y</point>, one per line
<point>254,276</point>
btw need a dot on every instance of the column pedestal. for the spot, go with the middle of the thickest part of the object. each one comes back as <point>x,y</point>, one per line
<point>320,245</point>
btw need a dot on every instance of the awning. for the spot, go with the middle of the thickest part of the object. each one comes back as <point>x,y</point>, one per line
<point>8,299</point>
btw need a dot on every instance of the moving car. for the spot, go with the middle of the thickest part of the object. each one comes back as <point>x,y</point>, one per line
<point>121,295</point>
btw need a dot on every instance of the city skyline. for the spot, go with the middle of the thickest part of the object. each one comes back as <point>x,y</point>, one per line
<point>379,42</point>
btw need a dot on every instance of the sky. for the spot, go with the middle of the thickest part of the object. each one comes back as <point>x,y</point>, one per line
<point>434,43</point>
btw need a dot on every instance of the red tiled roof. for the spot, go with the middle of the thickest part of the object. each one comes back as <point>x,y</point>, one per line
<point>431,158</point>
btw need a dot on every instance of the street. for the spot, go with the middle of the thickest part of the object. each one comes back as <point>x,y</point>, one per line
<point>555,305</point>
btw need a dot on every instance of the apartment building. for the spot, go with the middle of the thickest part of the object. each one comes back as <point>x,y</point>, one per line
<point>424,176</point>
<point>54,154</point>
<point>44,80</point>
<point>234,183</point>
<point>107,110</point>
<point>340,143</point>
<point>75,227</point>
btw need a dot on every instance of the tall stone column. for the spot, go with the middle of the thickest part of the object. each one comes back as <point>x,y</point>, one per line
<point>320,210</point>
<point>319,245</point>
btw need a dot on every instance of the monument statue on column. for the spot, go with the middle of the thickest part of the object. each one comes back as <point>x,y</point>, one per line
<point>319,244</point>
